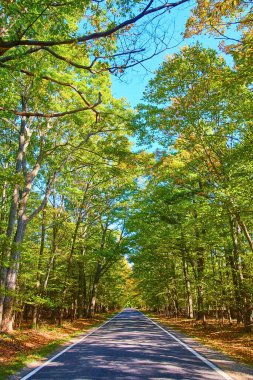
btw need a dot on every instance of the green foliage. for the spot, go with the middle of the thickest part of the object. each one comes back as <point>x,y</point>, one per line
<point>76,201</point>
<point>193,226</point>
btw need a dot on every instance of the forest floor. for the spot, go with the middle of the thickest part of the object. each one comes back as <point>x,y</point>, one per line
<point>226,338</point>
<point>27,345</point>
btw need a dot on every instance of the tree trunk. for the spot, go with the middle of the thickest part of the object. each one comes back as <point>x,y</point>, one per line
<point>38,275</point>
<point>12,272</point>
<point>188,288</point>
<point>233,259</point>
<point>6,248</point>
<point>81,298</point>
<point>93,295</point>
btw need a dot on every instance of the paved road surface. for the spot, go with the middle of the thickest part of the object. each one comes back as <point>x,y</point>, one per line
<point>129,347</point>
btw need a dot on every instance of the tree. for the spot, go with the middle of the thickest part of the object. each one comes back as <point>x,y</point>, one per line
<point>194,106</point>
<point>99,30</point>
<point>45,148</point>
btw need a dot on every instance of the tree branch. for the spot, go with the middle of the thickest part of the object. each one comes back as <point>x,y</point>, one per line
<point>50,115</point>
<point>147,10</point>
<point>65,59</point>
<point>45,199</point>
<point>12,57</point>
<point>66,84</point>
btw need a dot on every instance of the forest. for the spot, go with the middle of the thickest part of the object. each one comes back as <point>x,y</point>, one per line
<point>103,206</point>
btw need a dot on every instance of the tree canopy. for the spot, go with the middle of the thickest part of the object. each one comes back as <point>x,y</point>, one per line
<point>89,223</point>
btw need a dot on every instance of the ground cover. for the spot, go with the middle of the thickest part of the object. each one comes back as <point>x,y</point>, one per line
<point>230,339</point>
<point>26,345</point>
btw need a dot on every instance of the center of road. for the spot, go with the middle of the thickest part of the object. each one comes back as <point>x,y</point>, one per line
<point>129,346</point>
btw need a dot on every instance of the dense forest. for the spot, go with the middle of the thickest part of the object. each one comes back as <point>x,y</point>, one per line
<point>87,222</point>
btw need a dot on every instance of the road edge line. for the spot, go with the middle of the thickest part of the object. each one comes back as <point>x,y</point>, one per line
<point>199,356</point>
<point>37,369</point>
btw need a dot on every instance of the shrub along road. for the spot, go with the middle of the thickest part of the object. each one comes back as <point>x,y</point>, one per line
<point>129,346</point>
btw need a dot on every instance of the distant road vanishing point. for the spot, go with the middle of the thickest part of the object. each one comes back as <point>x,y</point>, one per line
<point>129,346</point>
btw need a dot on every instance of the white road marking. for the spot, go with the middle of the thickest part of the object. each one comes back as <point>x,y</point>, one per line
<point>66,349</point>
<point>206,361</point>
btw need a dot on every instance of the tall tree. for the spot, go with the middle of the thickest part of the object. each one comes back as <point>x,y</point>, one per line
<point>195,105</point>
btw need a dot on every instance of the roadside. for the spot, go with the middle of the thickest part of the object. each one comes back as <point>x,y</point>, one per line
<point>227,346</point>
<point>26,345</point>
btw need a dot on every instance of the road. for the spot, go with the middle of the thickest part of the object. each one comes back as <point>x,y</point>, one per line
<point>130,346</point>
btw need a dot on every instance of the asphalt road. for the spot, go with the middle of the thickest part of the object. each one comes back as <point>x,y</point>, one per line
<point>130,346</point>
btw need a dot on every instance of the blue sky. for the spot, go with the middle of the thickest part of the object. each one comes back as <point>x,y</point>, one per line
<point>134,81</point>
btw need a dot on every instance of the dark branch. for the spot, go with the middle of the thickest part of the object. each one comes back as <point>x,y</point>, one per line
<point>45,199</point>
<point>50,115</point>
<point>12,57</point>
<point>9,44</point>
<point>65,59</point>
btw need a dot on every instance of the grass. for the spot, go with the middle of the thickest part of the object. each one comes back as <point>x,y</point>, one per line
<point>28,345</point>
<point>229,339</point>
<point>24,358</point>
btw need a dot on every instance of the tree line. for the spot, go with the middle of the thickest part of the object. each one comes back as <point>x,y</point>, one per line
<point>66,160</point>
<point>192,231</point>
<point>76,200</point>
